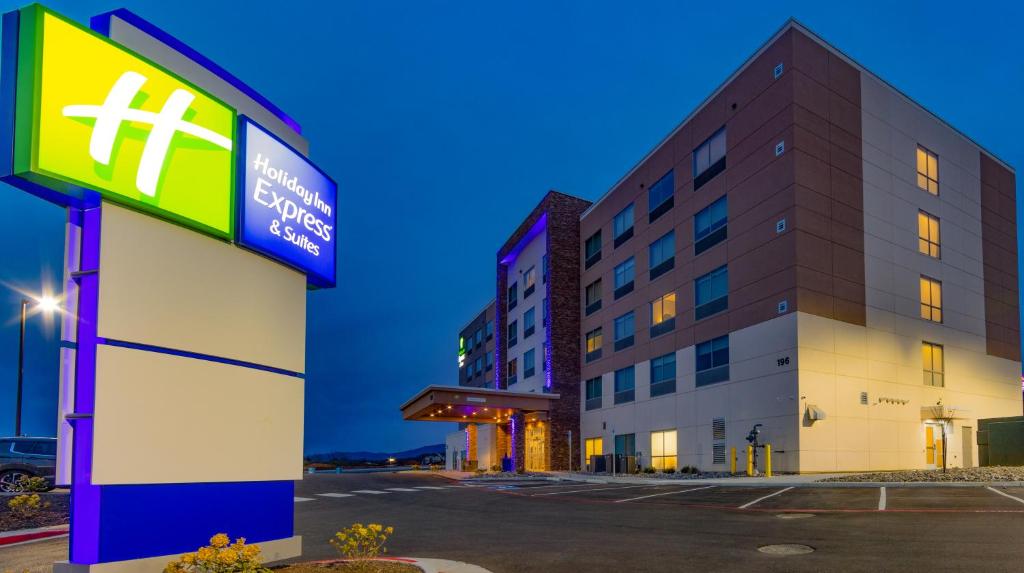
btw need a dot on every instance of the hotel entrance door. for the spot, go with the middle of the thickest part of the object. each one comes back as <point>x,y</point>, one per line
<point>536,447</point>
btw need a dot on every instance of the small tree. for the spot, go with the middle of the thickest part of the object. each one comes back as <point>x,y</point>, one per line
<point>945,415</point>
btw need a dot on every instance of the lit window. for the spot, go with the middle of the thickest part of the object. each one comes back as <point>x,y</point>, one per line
<point>511,375</point>
<point>594,339</point>
<point>623,222</point>
<point>624,384</point>
<point>931,299</point>
<point>529,281</point>
<point>663,450</point>
<point>594,447</point>
<point>928,234</point>
<point>934,369</point>
<point>927,170</point>
<point>660,193</point>
<point>663,308</point>
<point>529,360</point>
<point>624,273</point>
<point>663,374</point>
<point>709,158</point>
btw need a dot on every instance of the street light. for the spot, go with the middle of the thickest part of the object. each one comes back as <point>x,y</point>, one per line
<point>46,304</point>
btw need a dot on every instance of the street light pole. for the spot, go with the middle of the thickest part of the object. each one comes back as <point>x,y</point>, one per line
<point>21,369</point>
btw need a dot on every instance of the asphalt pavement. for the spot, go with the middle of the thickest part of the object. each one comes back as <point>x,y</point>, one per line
<point>544,526</point>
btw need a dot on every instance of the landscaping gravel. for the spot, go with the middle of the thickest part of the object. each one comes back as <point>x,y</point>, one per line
<point>56,513</point>
<point>986,474</point>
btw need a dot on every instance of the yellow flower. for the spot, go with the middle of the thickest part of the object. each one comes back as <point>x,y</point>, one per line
<point>206,553</point>
<point>188,558</point>
<point>251,551</point>
<point>389,530</point>
<point>220,540</point>
<point>228,556</point>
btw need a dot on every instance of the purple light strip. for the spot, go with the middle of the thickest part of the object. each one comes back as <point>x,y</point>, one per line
<point>512,439</point>
<point>101,24</point>
<point>546,311</point>
<point>85,497</point>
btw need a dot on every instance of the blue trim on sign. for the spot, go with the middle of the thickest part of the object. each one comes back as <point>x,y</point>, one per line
<point>170,519</point>
<point>198,356</point>
<point>8,88</point>
<point>101,24</point>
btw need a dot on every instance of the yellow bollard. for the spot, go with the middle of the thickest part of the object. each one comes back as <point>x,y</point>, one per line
<point>767,460</point>
<point>750,460</point>
<point>732,460</point>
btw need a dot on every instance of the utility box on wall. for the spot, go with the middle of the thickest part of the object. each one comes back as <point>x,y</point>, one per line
<point>1001,441</point>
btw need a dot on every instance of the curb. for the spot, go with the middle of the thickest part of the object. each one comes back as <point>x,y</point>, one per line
<point>20,536</point>
<point>427,564</point>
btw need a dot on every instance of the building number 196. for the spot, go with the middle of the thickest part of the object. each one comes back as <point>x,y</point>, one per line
<point>783,361</point>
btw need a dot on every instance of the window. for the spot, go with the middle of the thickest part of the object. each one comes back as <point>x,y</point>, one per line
<point>489,329</point>
<point>663,374</point>
<point>479,365</point>
<point>933,364</point>
<point>710,226</point>
<point>594,391</point>
<point>513,295</point>
<point>624,278</point>
<point>594,339</point>
<point>624,331</point>
<point>469,371</point>
<point>622,225</point>
<point>513,329</point>
<point>663,450</point>
<point>709,159</point>
<point>529,281</point>
<point>660,196</point>
<point>33,447</point>
<point>662,255</point>
<point>512,367</point>
<point>544,268</point>
<point>624,383</point>
<point>528,322</point>
<point>478,338</point>
<point>711,292</point>
<point>713,361</point>
<point>529,360</point>
<point>489,360</point>
<point>594,447</point>
<point>928,235</point>
<point>544,357</point>
<point>593,296</point>
<point>592,250</point>
<point>931,299</point>
<point>544,312</point>
<point>927,170</point>
<point>663,314</point>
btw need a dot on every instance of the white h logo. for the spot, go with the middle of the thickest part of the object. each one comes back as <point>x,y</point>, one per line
<point>116,109</point>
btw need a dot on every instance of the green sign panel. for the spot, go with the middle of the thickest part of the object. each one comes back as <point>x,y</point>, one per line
<point>91,115</point>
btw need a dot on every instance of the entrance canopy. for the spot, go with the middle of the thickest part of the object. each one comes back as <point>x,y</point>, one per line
<point>466,404</point>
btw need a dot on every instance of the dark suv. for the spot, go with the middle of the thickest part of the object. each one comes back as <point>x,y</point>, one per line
<point>24,458</point>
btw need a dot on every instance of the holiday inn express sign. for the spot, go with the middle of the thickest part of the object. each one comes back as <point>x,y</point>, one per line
<point>190,203</point>
<point>91,118</point>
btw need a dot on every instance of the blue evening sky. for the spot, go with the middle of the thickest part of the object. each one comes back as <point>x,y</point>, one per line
<point>445,122</point>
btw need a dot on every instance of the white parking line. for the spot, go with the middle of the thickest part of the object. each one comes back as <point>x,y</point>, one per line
<point>335,494</point>
<point>369,491</point>
<point>428,487</point>
<point>665,493</point>
<point>760,499</point>
<point>401,489</point>
<point>1004,494</point>
<point>592,489</point>
<point>298,499</point>
<point>881,498</point>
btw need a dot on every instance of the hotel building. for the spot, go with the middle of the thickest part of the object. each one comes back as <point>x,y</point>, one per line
<point>809,251</point>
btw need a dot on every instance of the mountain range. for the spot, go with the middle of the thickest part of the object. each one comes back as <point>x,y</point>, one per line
<point>415,453</point>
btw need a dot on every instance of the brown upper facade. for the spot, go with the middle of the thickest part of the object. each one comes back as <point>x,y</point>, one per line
<point>476,348</point>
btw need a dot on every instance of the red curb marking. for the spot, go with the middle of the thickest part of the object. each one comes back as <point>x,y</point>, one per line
<point>12,539</point>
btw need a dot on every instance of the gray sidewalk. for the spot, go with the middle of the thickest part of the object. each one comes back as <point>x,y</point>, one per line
<point>802,480</point>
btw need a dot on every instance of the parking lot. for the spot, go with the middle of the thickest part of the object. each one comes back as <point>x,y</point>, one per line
<point>546,526</point>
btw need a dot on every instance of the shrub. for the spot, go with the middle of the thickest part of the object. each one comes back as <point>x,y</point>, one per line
<point>435,467</point>
<point>220,556</point>
<point>362,542</point>
<point>649,470</point>
<point>669,470</point>
<point>34,483</point>
<point>27,505</point>
<point>480,471</point>
<point>495,468</point>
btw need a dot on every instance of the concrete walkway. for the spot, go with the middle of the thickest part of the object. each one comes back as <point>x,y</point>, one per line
<point>445,566</point>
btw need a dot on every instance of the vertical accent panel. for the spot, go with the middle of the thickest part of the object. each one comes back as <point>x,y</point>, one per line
<point>999,255</point>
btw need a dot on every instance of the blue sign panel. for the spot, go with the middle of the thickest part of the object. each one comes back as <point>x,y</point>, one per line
<point>288,208</point>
